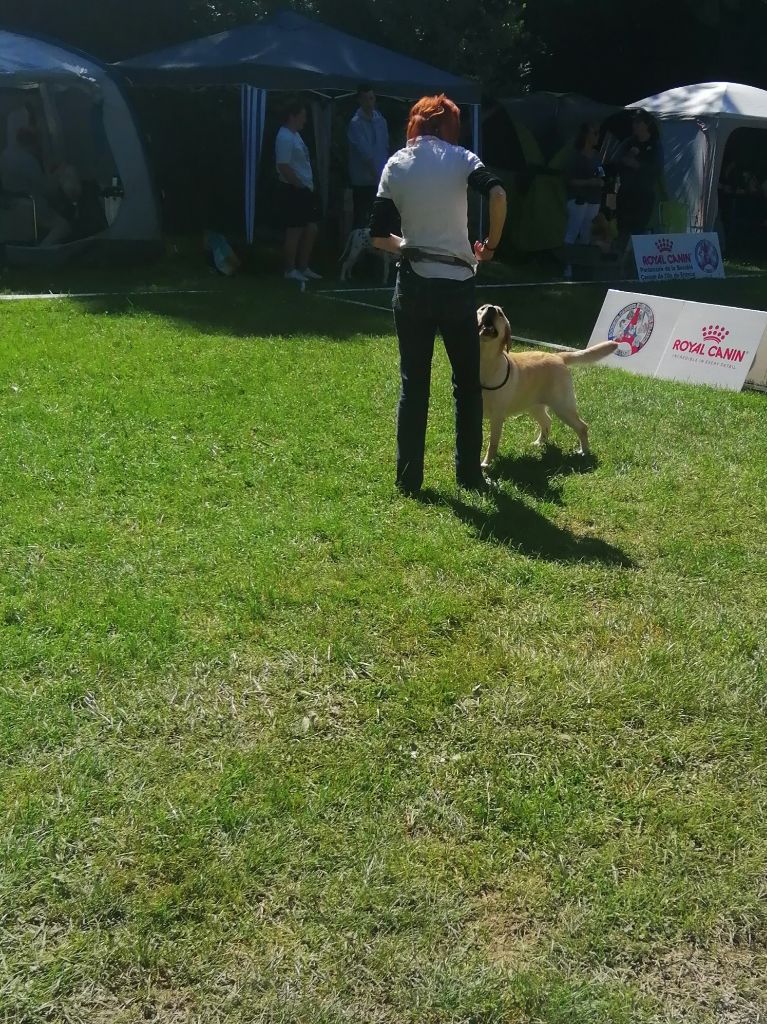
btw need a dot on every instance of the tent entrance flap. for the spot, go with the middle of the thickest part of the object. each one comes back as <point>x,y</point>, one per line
<point>69,146</point>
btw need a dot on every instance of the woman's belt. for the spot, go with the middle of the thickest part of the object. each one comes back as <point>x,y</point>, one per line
<point>413,255</point>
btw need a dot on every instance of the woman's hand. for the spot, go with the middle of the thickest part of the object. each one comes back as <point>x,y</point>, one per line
<point>483,252</point>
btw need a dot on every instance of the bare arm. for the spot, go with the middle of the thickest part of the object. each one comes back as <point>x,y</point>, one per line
<point>497,202</point>
<point>391,243</point>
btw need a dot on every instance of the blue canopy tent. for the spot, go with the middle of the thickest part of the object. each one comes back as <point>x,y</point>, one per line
<point>287,51</point>
<point>81,121</point>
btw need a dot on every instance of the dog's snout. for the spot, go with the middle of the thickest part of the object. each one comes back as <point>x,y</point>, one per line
<point>487,320</point>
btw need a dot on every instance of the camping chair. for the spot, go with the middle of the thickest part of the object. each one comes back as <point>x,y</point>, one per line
<point>18,218</point>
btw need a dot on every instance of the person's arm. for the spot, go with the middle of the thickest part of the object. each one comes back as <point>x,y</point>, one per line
<point>289,175</point>
<point>283,150</point>
<point>489,185</point>
<point>485,251</point>
<point>383,223</point>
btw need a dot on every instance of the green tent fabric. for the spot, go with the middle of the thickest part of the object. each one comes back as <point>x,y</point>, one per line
<point>538,210</point>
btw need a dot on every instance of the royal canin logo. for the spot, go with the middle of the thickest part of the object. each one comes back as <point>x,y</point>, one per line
<point>712,346</point>
<point>664,245</point>
<point>714,333</point>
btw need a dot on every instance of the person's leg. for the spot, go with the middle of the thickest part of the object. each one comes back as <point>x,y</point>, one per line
<point>57,230</point>
<point>584,233</point>
<point>574,221</point>
<point>415,338</point>
<point>461,337</point>
<point>363,197</point>
<point>292,238</point>
<point>306,244</point>
<point>575,214</point>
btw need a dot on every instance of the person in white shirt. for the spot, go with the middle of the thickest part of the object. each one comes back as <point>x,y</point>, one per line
<point>424,186</point>
<point>368,138</point>
<point>298,203</point>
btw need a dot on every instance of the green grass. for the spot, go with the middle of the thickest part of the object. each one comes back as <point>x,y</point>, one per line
<point>279,745</point>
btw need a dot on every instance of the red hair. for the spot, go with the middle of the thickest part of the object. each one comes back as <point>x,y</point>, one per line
<point>435,115</point>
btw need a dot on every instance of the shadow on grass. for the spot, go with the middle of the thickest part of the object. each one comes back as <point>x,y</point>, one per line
<point>251,308</point>
<point>510,522</point>
<point>537,474</point>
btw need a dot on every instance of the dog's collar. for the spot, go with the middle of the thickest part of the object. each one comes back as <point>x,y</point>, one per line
<point>505,379</point>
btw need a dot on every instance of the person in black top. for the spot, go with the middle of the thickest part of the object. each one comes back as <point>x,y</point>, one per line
<point>640,166</point>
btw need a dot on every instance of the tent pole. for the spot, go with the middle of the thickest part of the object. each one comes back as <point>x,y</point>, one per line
<point>476,115</point>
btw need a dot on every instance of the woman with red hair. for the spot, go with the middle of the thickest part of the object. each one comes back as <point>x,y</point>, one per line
<point>423,188</point>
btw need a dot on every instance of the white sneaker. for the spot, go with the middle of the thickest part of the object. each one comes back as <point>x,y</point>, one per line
<point>294,275</point>
<point>310,275</point>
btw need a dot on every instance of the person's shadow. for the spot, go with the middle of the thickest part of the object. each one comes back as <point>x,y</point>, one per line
<point>509,521</point>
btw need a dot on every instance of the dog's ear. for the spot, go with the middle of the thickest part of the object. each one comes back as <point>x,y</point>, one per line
<point>506,333</point>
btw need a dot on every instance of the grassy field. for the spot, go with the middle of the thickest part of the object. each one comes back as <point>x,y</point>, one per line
<point>279,745</point>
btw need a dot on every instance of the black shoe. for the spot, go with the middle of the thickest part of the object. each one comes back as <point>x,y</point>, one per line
<point>407,491</point>
<point>484,485</point>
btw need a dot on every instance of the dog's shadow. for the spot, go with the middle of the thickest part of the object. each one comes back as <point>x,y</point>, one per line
<point>511,522</point>
<point>540,474</point>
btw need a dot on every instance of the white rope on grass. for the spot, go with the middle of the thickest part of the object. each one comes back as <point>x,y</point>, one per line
<point>560,282</point>
<point>533,342</point>
<point>31,296</point>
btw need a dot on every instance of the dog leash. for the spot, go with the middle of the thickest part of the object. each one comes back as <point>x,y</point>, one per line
<point>505,379</point>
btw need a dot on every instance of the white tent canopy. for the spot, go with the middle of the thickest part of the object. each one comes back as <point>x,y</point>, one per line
<point>695,123</point>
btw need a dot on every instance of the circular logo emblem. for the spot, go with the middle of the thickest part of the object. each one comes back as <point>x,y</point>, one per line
<point>632,328</point>
<point>706,256</point>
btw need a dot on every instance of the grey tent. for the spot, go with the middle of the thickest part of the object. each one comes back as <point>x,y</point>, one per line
<point>83,122</point>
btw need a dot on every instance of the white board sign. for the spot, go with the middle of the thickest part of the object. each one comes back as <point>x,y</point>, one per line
<point>714,345</point>
<point>757,375</point>
<point>675,257</point>
<point>642,326</point>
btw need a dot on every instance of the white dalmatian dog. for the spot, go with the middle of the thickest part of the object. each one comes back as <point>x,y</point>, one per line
<point>358,243</point>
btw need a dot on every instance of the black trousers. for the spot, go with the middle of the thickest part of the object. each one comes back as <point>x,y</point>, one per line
<point>634,211</point>
<point>363,197</point>
<point>422,306</point>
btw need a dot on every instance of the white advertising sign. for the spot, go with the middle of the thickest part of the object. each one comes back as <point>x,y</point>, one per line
<point>641,324</point>
<point>713,345</point>
<point>672,257</point>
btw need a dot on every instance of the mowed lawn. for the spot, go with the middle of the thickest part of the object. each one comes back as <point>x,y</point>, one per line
<point>279,745</point>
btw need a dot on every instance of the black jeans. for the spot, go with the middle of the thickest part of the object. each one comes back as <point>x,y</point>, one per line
<point>423,306</point>
<point>363,197</point>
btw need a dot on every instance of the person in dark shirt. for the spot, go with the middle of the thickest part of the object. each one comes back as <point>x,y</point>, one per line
<point>640,166</point>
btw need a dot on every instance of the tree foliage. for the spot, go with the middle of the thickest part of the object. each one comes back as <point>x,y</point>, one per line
<point>609,49</point>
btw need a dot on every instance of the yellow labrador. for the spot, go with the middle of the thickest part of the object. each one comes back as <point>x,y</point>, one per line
<point>528,382</point>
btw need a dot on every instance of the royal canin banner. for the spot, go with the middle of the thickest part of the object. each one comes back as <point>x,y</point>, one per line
<point>675,257</point>
<point>694,342</point>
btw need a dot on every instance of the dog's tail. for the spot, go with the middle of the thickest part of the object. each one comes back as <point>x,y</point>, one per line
<point>590,355</point>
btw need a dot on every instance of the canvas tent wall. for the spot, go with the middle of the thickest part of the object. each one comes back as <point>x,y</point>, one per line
<point>289,52</point>
<point>85,122</point>
<point>532,137</point>
<point>696,122</point>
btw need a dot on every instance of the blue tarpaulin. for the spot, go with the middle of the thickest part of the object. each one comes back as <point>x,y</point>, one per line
<point>287,51</point>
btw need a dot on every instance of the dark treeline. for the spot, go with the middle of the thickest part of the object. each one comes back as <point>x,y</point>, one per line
<point>612,50</point>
